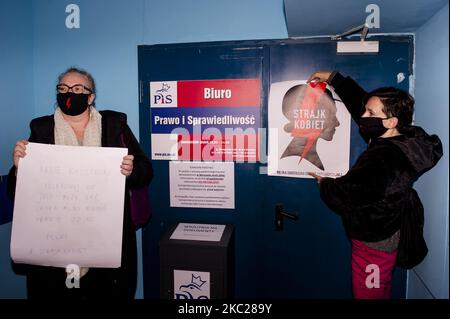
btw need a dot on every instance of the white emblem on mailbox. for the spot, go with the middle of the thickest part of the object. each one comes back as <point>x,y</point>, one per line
<point>191,284</point>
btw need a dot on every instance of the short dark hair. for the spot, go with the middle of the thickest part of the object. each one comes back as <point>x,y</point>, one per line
<point>396,102</point>
<point>79,71</point>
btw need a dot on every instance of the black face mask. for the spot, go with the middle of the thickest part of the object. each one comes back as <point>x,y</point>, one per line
<point>71,103</point>
<point>372,127</point>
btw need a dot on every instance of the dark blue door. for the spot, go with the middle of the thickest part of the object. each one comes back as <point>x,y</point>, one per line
<point>203,62</point>
<point>310,258</point>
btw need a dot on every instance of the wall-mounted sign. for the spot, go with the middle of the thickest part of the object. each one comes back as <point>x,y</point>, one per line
<point>211,120</point>
<point>202,184</point>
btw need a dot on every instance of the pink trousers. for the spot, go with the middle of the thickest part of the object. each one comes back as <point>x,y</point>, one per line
<point>371,271</point>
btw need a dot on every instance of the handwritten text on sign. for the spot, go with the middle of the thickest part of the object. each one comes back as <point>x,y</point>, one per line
<point>69,206</point>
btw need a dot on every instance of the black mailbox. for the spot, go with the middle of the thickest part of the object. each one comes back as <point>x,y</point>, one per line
<point>199,264</point>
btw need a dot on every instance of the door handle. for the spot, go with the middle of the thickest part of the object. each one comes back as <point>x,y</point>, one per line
<point>279,216</point>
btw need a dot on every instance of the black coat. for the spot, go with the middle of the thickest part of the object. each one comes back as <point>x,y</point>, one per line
<point>375,198</point>
<point>49,282</point>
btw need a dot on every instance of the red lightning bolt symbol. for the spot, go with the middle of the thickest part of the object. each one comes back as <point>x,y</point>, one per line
<point>68,102</point>
<point>310,102</point>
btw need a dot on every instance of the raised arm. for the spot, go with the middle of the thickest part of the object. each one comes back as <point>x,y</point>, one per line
<point>349,91</point>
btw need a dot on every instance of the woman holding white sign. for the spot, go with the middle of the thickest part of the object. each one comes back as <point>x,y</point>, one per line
<point>76,122</point>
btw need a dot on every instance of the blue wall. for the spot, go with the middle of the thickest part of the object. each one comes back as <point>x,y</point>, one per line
<point>430,279</point>
<point>16,107</point>
<point>16,82</point>
<point>178,21</point>
<point>106,45</point>
<point>110,30</point>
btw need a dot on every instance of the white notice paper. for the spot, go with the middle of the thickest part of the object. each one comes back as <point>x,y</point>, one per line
<point>69,206</point>
<point>202,184</point>
<point>204,232</point>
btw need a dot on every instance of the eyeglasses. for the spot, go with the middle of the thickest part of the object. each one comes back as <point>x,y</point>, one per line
<point>77,88</point>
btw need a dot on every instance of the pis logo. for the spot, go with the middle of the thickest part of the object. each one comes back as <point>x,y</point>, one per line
<point>196,288</point>
<point>163,94</point>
